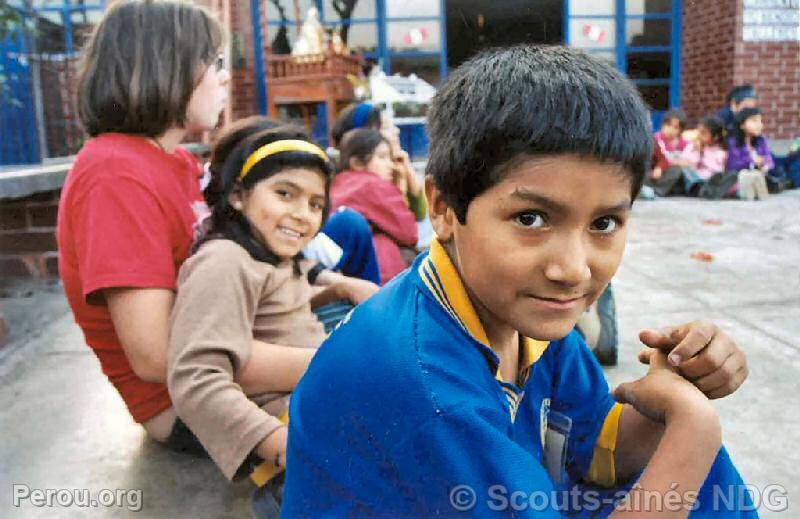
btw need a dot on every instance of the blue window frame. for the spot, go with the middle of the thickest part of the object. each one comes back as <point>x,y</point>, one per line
<point>645,43</point>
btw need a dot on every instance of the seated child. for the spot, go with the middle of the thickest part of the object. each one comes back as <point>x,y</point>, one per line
<point>739,97</point>
<point>247,280</point>
<point>749,155</point>
<point>462,385</point>
<point>369,116</point>
<point>706,154</point>
<point>366,183</point>
<point>670,166</point>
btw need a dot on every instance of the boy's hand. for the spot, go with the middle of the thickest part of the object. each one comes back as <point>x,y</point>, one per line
<point>703,354</point>
<point>656,174</point>
<point>661,392</point>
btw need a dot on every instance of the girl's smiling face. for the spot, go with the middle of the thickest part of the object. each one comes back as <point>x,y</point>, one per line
<point>285,209</point>
<point>753,125</point>
<point>540,246</point>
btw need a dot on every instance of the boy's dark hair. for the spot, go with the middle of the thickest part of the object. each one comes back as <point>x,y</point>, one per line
<point>716,127</point>
<point>358,144</point>
<point>675,114</point>
<point>142,64</point>
<point>356,115</point>
<point>534,100</point>
<point>739,119</point>
<point>229,223</point>
<point>739,93</point>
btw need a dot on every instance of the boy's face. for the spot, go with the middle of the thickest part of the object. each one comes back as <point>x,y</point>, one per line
<point>671,128</point>
<point>747,102</point>
<point>541,245</point>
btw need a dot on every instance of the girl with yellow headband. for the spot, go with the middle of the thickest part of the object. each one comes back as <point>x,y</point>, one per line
<point>270,200</point>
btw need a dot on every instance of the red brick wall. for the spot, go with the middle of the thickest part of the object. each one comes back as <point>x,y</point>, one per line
<point>708,41</point>
<point>28,236</point>
<point>243,86</point>
<point>715,58</point>
<point>774,69</point>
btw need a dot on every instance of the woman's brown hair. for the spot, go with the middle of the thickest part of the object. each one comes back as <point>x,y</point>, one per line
<point>142,64</point>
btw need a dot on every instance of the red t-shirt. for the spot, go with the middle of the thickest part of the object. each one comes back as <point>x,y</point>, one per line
<point>127,218</point>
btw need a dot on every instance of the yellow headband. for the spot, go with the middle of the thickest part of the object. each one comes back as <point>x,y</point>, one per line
<point>279,147</point>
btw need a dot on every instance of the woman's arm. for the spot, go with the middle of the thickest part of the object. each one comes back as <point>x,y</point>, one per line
<point>141,322</point>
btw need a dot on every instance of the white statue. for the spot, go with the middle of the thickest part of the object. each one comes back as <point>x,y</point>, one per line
<point>311,38</point>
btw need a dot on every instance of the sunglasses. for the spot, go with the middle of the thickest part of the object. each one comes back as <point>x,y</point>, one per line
<point>219,62</point>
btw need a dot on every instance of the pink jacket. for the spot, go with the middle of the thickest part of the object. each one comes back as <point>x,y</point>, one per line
<point>706,160</point>
<point>384,206</point>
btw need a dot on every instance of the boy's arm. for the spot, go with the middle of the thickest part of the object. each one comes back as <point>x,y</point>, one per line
<point>682,450</point>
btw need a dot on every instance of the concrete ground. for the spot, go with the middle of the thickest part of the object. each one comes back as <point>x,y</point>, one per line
<point>63,426</point>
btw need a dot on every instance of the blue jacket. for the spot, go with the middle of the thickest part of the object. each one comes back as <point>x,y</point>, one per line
<point>402,413</point>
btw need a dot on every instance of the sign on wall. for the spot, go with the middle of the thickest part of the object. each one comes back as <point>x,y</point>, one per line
<point>771,20</point>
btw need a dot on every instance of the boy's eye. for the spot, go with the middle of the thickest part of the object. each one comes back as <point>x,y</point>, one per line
<point>317,206</point>
<point>530,220</point>
<point>606,224</point>
<point>283,193</point>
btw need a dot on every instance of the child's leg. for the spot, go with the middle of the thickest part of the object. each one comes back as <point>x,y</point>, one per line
<point>760,187</point>
<point>345,244</point>
<point>664,185</point>
<point>267,499</point>
<point>331,314</point>
<point>746,190</point>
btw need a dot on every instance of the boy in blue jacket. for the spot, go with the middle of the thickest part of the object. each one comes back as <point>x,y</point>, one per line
<point>461,387</point>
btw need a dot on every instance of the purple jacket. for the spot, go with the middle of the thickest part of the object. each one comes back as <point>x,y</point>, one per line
<point>739,157</point>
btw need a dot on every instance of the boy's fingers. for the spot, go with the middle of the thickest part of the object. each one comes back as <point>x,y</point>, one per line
<point>696,336</point>
<point>683,342</point>
<point>728,388</point>
<point>729,376</point>
<point>644,355</point>
<point>710,360</point>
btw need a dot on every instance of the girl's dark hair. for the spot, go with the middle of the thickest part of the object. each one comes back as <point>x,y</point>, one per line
<point>356,115</point>
<point>740,118</point>
<point>141,65</point>
<point>677,114</point>
<point>229,223</point>
<point>226,141</point>
<point>360,145</point>
<point>716,127</point>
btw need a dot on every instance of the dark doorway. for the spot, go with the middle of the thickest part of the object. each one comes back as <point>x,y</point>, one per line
<point>473,25</point>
